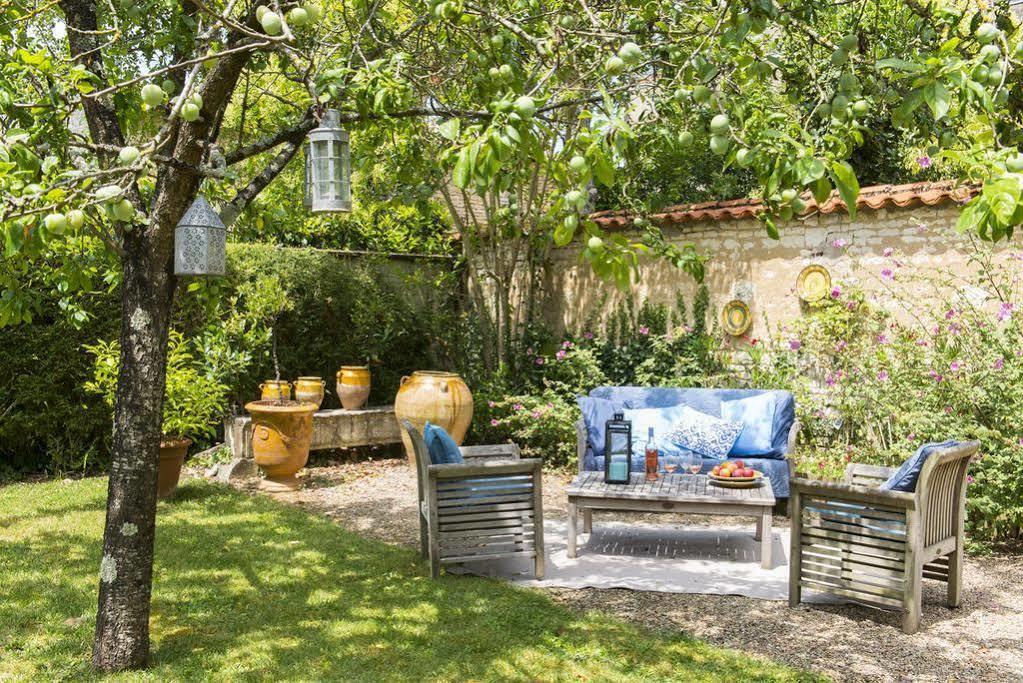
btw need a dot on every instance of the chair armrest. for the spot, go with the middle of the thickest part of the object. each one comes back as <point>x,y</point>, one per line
<point>503,451</point>
<point>582,442</point>
<point>790,446</point>
<point>486,469</point>
<point>851,493</point>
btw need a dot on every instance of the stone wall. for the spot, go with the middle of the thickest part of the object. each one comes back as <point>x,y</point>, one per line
<point>744,263</point>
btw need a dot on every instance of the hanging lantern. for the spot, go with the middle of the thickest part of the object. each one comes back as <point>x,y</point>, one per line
<point>328,169</point>
<point>617,449</point>
<point>200,241</point>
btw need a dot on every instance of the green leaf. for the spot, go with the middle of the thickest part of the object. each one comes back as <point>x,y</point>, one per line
<point>848,186</point>
<point>809,169</point>
<point>449,129</point>
<point>822,190</point>
<point>462,172</point>
<point>972,215</point>
<point>936,97</point>
<point>563,235</point>
<point>899,65</point>
<point>772,229</point>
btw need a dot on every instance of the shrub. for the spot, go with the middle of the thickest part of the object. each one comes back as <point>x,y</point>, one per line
<point>542,425</point>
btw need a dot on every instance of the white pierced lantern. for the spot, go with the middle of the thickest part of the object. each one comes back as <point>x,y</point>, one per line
<point>200,241</point>
<point>328,169</point>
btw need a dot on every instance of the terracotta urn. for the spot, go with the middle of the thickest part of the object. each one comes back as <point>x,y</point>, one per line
<point>273,389</point>
<point>440,397</point>
<point>310,390</point>
<point>281,434</point>
<point>172,457</point>
<point>353,382</point>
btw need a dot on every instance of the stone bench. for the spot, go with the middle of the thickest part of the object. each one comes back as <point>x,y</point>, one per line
<point>336,428</point>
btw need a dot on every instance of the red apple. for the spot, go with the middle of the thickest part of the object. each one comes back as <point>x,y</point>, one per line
<point>740,464</point>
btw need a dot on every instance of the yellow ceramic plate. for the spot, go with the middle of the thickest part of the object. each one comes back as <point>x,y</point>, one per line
<point>813,283</point>
<point>736,318</point>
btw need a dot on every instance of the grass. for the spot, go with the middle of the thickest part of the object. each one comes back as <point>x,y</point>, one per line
<point>247,589</point>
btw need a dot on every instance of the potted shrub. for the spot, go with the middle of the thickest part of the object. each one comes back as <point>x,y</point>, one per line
<point>192,403</point>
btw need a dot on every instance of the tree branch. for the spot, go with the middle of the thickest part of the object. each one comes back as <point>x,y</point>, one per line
<point>230,212</point>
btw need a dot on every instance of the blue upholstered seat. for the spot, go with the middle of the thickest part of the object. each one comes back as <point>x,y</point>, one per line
<point>772,462</point>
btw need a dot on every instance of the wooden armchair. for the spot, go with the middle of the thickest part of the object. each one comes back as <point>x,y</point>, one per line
<point>875,547</point>
<point>487,508</point>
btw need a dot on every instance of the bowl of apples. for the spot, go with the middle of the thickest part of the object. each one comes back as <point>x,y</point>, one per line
<point>735,474</point>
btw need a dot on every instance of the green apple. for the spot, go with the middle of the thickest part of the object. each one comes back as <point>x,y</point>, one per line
<point>719,144</point>
<point>986,33</point>
<point>56,223</point>
<point>990,53</point>
<point>614,66</point>
<point>123,210</point>
<point>497,41</point>
<point>571,221</point>
<point>189,112</point>
<point>685,138</point>
<point>798,205</point>
<point>272,24</point>
<point>128,155</point>
<point>631,53</point>
<point>575,198</point>
<point>314,11</point>
<point>260,11</point>
<point>701,94</point>
<point>719,124</point>
<point>1015,163</point>
<point>107,193</point>
<point>76,219</point>
<point>169,87</point>
<point>595,244</point>
<point>849,42</point>
<point>298,17</point>
<point>578,164</point>
<point>525,107</point>
<point>788,195</point>
<point>507,73</point>
<point>152,95</point>
<point>744,157</point>
<point>861,107</point>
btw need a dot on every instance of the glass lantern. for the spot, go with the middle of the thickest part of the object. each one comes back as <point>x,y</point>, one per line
<point>200,241</point>
<point>617,449</point>
<point>328,169</point>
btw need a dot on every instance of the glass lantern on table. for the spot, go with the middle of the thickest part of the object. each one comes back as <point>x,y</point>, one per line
<point>617,449</point>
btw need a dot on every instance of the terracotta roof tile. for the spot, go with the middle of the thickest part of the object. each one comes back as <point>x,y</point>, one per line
<point>873,197</point>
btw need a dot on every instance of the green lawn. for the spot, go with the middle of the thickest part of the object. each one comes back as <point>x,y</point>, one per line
<point>249,589</point>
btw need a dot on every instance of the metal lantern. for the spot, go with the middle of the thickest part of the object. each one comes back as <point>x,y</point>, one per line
<point>200,241</point>
<point>617,449</point>
<point>328,169</point>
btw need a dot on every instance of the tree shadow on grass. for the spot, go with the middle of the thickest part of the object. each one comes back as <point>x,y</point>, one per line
<point>248,589</point>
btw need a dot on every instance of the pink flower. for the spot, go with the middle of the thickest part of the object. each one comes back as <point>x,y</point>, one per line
<point>560,355</point>
<point>644,330</point>
<point>566,344</point>
<point>494,422</point>
<point>491,404</point>
<point>841,345</point>
<point>536,414</point>
<point>539,360</point>
<point>840,243</point>
<point>517,407</point>
<point>924,161</point>
<point>851,305</point>
<point>1005,312</point>
<point>950,313</point>
<point>551,406</point>
<point>888,251</point>
<point>922,342</point>
<point>955,366</point>
<point>948,410</point>
<point>836,292</point>
<point>820,465</point>
<point>587,335</point>
<point>754,341</point>
<point>998,364</point>
<point>795,345</point>
<point>935,376</point>
<point>882,338</point>
<point>887,274</point>
<point>882,376</point>
<point>969,478</point>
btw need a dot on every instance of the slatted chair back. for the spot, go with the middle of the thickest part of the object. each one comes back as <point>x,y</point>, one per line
<point>422,455</point>
<point>941,491</point>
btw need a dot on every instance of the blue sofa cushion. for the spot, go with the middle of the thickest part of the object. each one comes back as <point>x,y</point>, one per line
<point>709,436</point>
<point>756,413</point>
<point>596,412</point>
<point>663,421</point>
<point>443,449</point>
<point>904,478</point>
<point>708,401</point>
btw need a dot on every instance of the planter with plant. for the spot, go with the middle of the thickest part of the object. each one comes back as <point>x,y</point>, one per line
<point>192,403</point>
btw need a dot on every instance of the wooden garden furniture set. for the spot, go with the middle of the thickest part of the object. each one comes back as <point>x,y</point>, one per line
<point>849,539</point>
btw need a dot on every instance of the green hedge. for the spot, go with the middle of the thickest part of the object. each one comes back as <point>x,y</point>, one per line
<point>391,313</point>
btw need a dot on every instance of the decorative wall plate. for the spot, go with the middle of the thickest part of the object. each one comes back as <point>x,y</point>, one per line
<point>813,283</point>
<point>736,318</point>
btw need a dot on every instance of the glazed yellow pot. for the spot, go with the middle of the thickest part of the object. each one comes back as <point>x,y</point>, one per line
<point>275,389</point>
<point>440,397</point>
<point>281,434</point>
<point>353,382</point>
<point>310,390</point>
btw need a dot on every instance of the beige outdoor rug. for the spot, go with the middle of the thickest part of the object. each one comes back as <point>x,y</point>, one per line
<point>665,559</point>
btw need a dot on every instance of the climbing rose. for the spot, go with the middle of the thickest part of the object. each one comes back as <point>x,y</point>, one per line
<point>1005,312</point>
<point>999,364</point>
<point>924,161</point>
<point>887,274</point>
<point>883,376</point>
<point>888,251</point>
<point>560,355</point>
<point>644,330</point>
<point>836,292</point>
<point>494,422</point>
<point>539,360</point>
<point>840,243</point>
<point>795,344</point>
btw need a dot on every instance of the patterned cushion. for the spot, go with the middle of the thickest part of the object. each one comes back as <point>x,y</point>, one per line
<point>662,421</point>
<point>709,436</point>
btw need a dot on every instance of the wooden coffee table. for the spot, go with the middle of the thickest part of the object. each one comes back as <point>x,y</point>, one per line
<point>688,493</point>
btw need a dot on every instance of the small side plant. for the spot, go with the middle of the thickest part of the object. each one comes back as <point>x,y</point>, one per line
<point>192,402</point>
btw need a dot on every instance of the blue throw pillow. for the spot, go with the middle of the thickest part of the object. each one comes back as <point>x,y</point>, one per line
<point>663,421</point>
<point>904,478</point>
<point>443,449</point>
<point>596,412</point>
<point>705,434</point>
<point>756,414</point>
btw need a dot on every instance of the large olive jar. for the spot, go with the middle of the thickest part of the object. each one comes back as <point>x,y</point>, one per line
<point>440,397</point>
<point>282,432</point>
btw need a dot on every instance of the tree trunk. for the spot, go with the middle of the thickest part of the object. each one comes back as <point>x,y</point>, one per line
<point>122,619</point>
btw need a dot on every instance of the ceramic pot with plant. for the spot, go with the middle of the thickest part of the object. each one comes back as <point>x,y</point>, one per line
<point>275,389</point>
<point>192,403</point>
<point>282,432</point>
<point>310,390</point>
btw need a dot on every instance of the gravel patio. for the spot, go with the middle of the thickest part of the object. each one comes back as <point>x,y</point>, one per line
<point>979,641</point>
